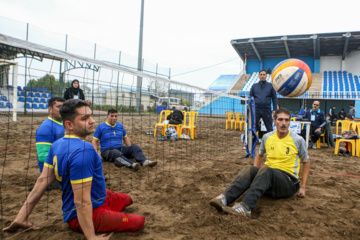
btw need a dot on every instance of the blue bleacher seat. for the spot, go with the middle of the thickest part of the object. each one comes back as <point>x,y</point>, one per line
<point>50,95</point>
<point>32,89</point>
<point>45,90</point>
<point>9,105</point>
<point>37,95</point>
<point>2,105</point>
<point>21,94</point>
<point>28,100</point>
<point>29,106</point>
<point>42,106</point>
<point>21,99</point>
<point>3,98</point>
<point>43,100</point>
<point>39,89</point>
<point>36,100</point>
<point>46,106</point>
<point>26,89</point>
<point>19,88</point>
<point>10,87</point>
<point>44,95</point>
<point>35,106</point>
<point>30,94</point>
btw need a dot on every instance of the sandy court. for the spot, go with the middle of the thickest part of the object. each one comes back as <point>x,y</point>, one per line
<point>174,196</point>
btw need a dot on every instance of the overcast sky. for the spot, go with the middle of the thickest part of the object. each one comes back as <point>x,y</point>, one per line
<point>185,35</point>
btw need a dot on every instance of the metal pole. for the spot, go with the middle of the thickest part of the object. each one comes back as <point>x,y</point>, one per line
<point>92,95</point>
<point>15,80</point>
<point>117,85</point>
<point>27,38</point>
<point>139,67</point>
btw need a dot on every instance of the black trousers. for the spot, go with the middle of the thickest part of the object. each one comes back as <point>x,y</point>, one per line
<point>266,116</point>
<point>125,152</point>
<point>259,181</point>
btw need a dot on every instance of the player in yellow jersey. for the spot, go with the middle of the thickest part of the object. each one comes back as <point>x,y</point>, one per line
<point>278,178</point>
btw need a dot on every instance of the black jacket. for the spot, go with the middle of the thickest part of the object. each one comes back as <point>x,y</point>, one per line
<point>71,92</point>
<point>176,117</point>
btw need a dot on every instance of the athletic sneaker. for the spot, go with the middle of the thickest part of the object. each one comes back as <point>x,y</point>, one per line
<point>150,163</point>
<point>238,209</point>
<point>313,146</point>
<point>219,202</point>
<point>135,167</point>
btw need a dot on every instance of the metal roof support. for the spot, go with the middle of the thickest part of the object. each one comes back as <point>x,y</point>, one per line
<point>251,41</point>
<point>286,46</point>
<point>346,44</point>
<point>316,44</point>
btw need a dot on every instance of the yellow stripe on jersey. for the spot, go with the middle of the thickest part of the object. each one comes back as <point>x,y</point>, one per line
<point>48,165</point>
<point>45,143</point>
<point>282,154</point>
<point>81,180</point>
<point>95,138</point>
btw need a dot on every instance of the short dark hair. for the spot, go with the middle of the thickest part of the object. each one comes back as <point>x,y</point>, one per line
<point>68,109</point>
<point>112,110</point>
<point>263,70</point>
<point>342,110</point>
<point>52,101</point>
<point>282,110</point>
<point>351,104</point>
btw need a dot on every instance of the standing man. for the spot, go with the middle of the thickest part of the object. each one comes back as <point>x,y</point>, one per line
<point>263,93</point>
<point>332,114</point>
<point>88,206</point>
<point>318,123</point>
<point>279,177</point>
<point>111,135</point>
<point>50,130</point>
<point>351,114</point>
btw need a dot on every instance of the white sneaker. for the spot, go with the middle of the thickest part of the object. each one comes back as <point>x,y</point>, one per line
<point>313,146</point>
<point>150,163</point>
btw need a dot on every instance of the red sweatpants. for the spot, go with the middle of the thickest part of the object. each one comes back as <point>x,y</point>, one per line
<point>108,218</point>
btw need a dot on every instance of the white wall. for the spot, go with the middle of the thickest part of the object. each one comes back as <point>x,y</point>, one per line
<point>330,63</point>
<point>352,63</point>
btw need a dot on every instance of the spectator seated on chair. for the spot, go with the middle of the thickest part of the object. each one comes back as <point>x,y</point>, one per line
<point>318,123</point>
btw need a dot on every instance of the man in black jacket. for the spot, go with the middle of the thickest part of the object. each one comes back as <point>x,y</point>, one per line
<point>263,93</point>
<point>318,123</point>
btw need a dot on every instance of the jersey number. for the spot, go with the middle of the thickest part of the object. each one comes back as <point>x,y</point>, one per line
<point>287,150</point>
<point>56,169</point>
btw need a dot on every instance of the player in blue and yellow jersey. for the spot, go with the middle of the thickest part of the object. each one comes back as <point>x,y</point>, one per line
<point>112,135</point>
<point>88,206</point>
<point>50,130</point>
<point>279,177</point>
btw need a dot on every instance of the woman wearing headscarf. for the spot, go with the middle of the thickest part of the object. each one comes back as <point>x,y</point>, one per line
<point>74,92</point>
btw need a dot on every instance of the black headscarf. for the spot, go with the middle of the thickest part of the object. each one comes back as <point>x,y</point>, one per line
<point>75,90</point>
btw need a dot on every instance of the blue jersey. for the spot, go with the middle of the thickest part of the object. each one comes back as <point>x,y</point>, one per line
<point>110,136</point>
<point>76,161</point>
<point>48,132</point>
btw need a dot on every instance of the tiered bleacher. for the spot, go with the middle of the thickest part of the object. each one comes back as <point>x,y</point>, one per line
<point>36,98</point>
<point>340,84</point>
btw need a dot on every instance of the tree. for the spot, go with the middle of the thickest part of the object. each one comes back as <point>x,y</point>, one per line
<point>49,82</point>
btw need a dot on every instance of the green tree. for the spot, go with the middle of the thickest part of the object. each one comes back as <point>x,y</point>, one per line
<point>49,82</point>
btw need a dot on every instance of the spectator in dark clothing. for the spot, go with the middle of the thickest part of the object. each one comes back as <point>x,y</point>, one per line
<point>332,114</point>
<point>75,92</point>
<point>176,117</point>
<point>351,114</point>
<point>318,123</point>
<point>342,114</point>
<point>263,93</point>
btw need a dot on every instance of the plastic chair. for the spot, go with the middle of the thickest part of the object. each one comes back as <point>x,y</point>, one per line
<point>229,119</point>
<point>9,105</point>
<point>43,100</point>
<point>189,124</point>
<point>21,99</point>
<point>319,140</point>
<point>2,105</point>
<point>166,113</point>
<point>239,122</point>
<point>345,126</point>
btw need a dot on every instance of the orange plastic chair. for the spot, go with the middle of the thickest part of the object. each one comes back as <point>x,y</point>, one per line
<point>229,119</point>
<point>189,124</point>
<point>164,113</point>
<point>239,122</point>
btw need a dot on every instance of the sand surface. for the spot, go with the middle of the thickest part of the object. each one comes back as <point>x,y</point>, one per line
<point>174,196</point>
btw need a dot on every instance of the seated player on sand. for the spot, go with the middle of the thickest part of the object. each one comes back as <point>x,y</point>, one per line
<point>279,177</point>
<point>77,166</point>
<point>111,135</point>
<point>48,132</point>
